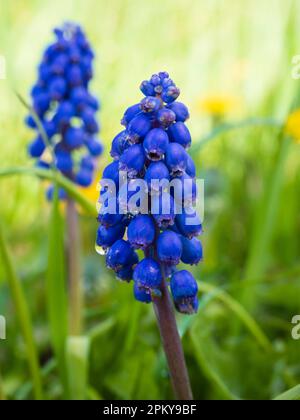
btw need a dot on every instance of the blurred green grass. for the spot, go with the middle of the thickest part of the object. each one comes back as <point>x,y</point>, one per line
<point>242,49</point>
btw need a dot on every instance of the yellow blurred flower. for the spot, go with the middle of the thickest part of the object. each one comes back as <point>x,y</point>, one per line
<point>91,192</point>
<point>217,105</point>
<point>292,126</point>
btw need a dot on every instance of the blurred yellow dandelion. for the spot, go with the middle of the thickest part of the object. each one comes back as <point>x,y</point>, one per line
<point>292,126</point>
<point>91,192</point>
<point>217,105</point>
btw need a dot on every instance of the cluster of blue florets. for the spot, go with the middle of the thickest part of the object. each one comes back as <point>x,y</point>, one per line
<point>66,109</point>
<point>153,146</point>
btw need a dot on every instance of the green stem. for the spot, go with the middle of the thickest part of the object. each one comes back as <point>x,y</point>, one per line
<point>23,315</point>
<point>56,293</point>
<point>74,270</point>
<point>171,342</point>
<point>172,345</point>
<point>57,178</point>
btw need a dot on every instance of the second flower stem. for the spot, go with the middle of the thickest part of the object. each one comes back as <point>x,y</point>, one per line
<point>74,270</point>
<point>172,345</point>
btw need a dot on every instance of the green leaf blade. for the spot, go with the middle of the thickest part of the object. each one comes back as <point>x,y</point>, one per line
<point>56,290</point>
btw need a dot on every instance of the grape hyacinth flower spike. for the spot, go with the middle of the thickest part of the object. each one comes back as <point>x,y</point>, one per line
<point>66,109</point>
<point>64,120</point>
<point>151,154</point>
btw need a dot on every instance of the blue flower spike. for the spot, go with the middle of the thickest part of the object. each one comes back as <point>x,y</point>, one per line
<point>63,103</point>
<point>150,153</point>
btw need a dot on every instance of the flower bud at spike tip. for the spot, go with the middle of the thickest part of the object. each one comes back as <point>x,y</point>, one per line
<point>147,88</point>
<point>150,104</point>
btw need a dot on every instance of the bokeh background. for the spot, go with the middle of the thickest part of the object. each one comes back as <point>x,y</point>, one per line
<point>233,63</point>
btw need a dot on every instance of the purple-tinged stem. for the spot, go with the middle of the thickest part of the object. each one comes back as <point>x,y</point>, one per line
<point>172,345</point>
<point>74,270</point>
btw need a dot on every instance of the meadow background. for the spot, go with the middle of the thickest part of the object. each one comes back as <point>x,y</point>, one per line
<point>232,61</point>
